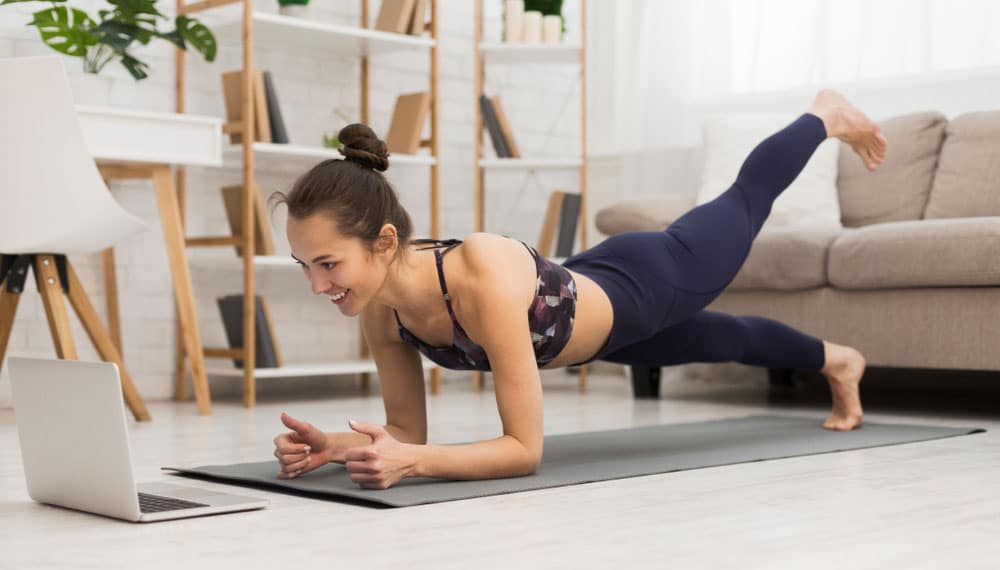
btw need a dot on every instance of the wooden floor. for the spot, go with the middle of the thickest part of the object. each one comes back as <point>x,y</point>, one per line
<point>924,505</point>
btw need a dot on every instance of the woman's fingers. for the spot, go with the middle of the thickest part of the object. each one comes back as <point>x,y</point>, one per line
<point>290,470</point>
<point>361,467</point>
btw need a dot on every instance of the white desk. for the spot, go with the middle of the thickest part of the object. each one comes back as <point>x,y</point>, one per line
<point>139,144</point>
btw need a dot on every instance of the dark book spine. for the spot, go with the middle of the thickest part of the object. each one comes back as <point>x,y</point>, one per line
<point>231,308</point>
<point>568,217</point>
<point>493,126</point>
<point>278,132</point>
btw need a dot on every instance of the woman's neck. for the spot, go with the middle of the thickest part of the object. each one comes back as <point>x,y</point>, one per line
<point>411,285</point>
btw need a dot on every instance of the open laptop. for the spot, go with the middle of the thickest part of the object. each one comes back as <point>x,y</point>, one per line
<point>74,444</point>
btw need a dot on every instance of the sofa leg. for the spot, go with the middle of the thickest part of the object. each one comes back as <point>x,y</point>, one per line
<point>781,377</point>
<point>645,381</point>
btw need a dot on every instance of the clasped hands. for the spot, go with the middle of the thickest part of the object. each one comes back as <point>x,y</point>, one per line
<point>379,465</point>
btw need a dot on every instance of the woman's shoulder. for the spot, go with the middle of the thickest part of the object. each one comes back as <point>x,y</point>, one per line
<point>488,251</point>
<point>492,261</point>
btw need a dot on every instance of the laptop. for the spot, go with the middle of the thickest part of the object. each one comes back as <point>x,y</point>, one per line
<point>74,445</point>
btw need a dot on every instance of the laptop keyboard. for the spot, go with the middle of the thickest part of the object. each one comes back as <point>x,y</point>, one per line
<point>157,504</point>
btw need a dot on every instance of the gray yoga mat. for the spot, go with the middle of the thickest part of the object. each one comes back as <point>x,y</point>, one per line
<point>576,458</point>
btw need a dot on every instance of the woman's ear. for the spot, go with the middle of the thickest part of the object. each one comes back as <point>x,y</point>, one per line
<point>388,240</point>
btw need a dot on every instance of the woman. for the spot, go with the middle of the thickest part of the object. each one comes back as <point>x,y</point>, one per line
<point>493,304</point>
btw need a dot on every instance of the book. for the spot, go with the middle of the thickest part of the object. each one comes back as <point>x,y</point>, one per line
<point>508,135</point>
<point>492,126</point>
<point>394,16</point>
<point>568,217</point>
<point>419,21</point>
<point>408,118</point>
<point>267,353</point>
<point>551,223</point>
<point>232,197</point>
<point>232,89</point>
<point>278,133</point>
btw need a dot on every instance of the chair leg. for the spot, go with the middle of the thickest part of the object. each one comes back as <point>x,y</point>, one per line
<point>50,288</point>
<point>8,310</point>
<point>111,295</point>
<point>103,343</point>
<point>180,379</point>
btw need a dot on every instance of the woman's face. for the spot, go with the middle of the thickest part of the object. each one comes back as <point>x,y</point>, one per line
<point>339,267</point>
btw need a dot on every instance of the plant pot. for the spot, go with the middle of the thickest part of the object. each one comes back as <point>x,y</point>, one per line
<point>294,10</point>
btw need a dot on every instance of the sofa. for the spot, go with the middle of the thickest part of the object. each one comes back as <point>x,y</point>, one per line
<point>911,279</point>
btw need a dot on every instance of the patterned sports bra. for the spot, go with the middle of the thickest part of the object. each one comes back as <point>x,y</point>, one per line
<point>550,317</point>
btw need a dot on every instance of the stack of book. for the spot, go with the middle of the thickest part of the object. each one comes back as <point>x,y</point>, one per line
<point>402,17</point>
<point>269,125</point>
<point>496,124</point>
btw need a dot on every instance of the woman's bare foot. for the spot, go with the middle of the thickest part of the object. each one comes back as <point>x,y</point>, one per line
<point>845,122</point>
<point>843,370</point>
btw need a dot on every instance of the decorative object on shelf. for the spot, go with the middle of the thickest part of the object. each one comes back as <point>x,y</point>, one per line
<point>395,16</point>
<point>232,197</point>
<point>278,133</point>
<point>418,23</point>
<point>531,27</point>
<point>513,16</point>
<point>294,8</point>
<point>73,32</point>
<point>548,8</point>
<point>551,29</point>
<point>267,353</point>
<point>232,85</point>
<point>408,118</point>
<point>505,130</point>
<point>495,123</point>
<point>562,214</point>
<point>331,141</point>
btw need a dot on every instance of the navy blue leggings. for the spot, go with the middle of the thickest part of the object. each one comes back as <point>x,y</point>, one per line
<point>660,282</point>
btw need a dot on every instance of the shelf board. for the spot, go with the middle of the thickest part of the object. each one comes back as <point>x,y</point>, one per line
<point>224,257</point>
<point>545,54</point>
<point>299,33</point>
<point>530,163</point>
<point>341,367</point>
<point>301,155</point>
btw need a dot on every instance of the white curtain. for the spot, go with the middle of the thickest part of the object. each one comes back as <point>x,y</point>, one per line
<point>667,55</point>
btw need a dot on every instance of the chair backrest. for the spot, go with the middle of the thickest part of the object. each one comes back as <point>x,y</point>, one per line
<point>52,197</point>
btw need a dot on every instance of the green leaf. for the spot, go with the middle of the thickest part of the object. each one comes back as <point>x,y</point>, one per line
<point>2,2</point>
<point>173,37</point>
<point>132,11</point>
<point>119,35</point>
<point>137,68</point>
<point>198,36</point>
<point>66,30</point>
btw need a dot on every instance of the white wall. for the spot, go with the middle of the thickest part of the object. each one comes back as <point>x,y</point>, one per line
<point>313,88</point>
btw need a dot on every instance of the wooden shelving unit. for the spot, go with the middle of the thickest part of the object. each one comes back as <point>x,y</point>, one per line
<point>522,54</point>
<point>276,31</point>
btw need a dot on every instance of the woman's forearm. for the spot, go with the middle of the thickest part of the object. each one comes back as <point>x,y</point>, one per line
<point>340,442</point>
<point>504,456</point>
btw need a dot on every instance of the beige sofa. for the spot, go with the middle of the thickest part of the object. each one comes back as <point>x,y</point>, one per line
<point>913,277</point>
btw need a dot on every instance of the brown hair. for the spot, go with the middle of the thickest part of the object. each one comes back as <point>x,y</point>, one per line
<point>353,193</point>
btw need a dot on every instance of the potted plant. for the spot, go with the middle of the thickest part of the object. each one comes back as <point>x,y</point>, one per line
<point>73,32</point>
<point>296,8</point>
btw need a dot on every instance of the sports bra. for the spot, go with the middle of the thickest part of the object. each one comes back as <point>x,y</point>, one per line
<point>550,316</point>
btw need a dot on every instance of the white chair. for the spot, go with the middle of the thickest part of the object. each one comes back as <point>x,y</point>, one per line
<point>53,202</point>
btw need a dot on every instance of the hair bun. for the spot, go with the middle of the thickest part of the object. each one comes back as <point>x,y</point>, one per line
<point>360,145</point>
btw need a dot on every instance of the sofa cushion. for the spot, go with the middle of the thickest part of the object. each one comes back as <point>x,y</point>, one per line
<point>960,252</point>
<point>642,215</point>
<point>810,200</point>
<point>966,182</point>
<point>787,259</point>
<point>899,188</point>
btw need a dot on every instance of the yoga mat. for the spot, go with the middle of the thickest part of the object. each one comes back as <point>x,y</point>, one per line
<point>571,459</point>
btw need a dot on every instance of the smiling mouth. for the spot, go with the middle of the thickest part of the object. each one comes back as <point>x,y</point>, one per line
<point>338,298</point>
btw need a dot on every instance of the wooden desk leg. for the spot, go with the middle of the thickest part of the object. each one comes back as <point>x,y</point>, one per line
<point>180,382</point>
<point>435,380</point>
<point>111,296</point>
<point>8,310</point>
<point>173,234</point>
<point>103,343</point>
<point>583,379</point>
<point>55,307</point>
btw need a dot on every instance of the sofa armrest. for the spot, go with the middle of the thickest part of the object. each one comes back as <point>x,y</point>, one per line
<point>647,214</point>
